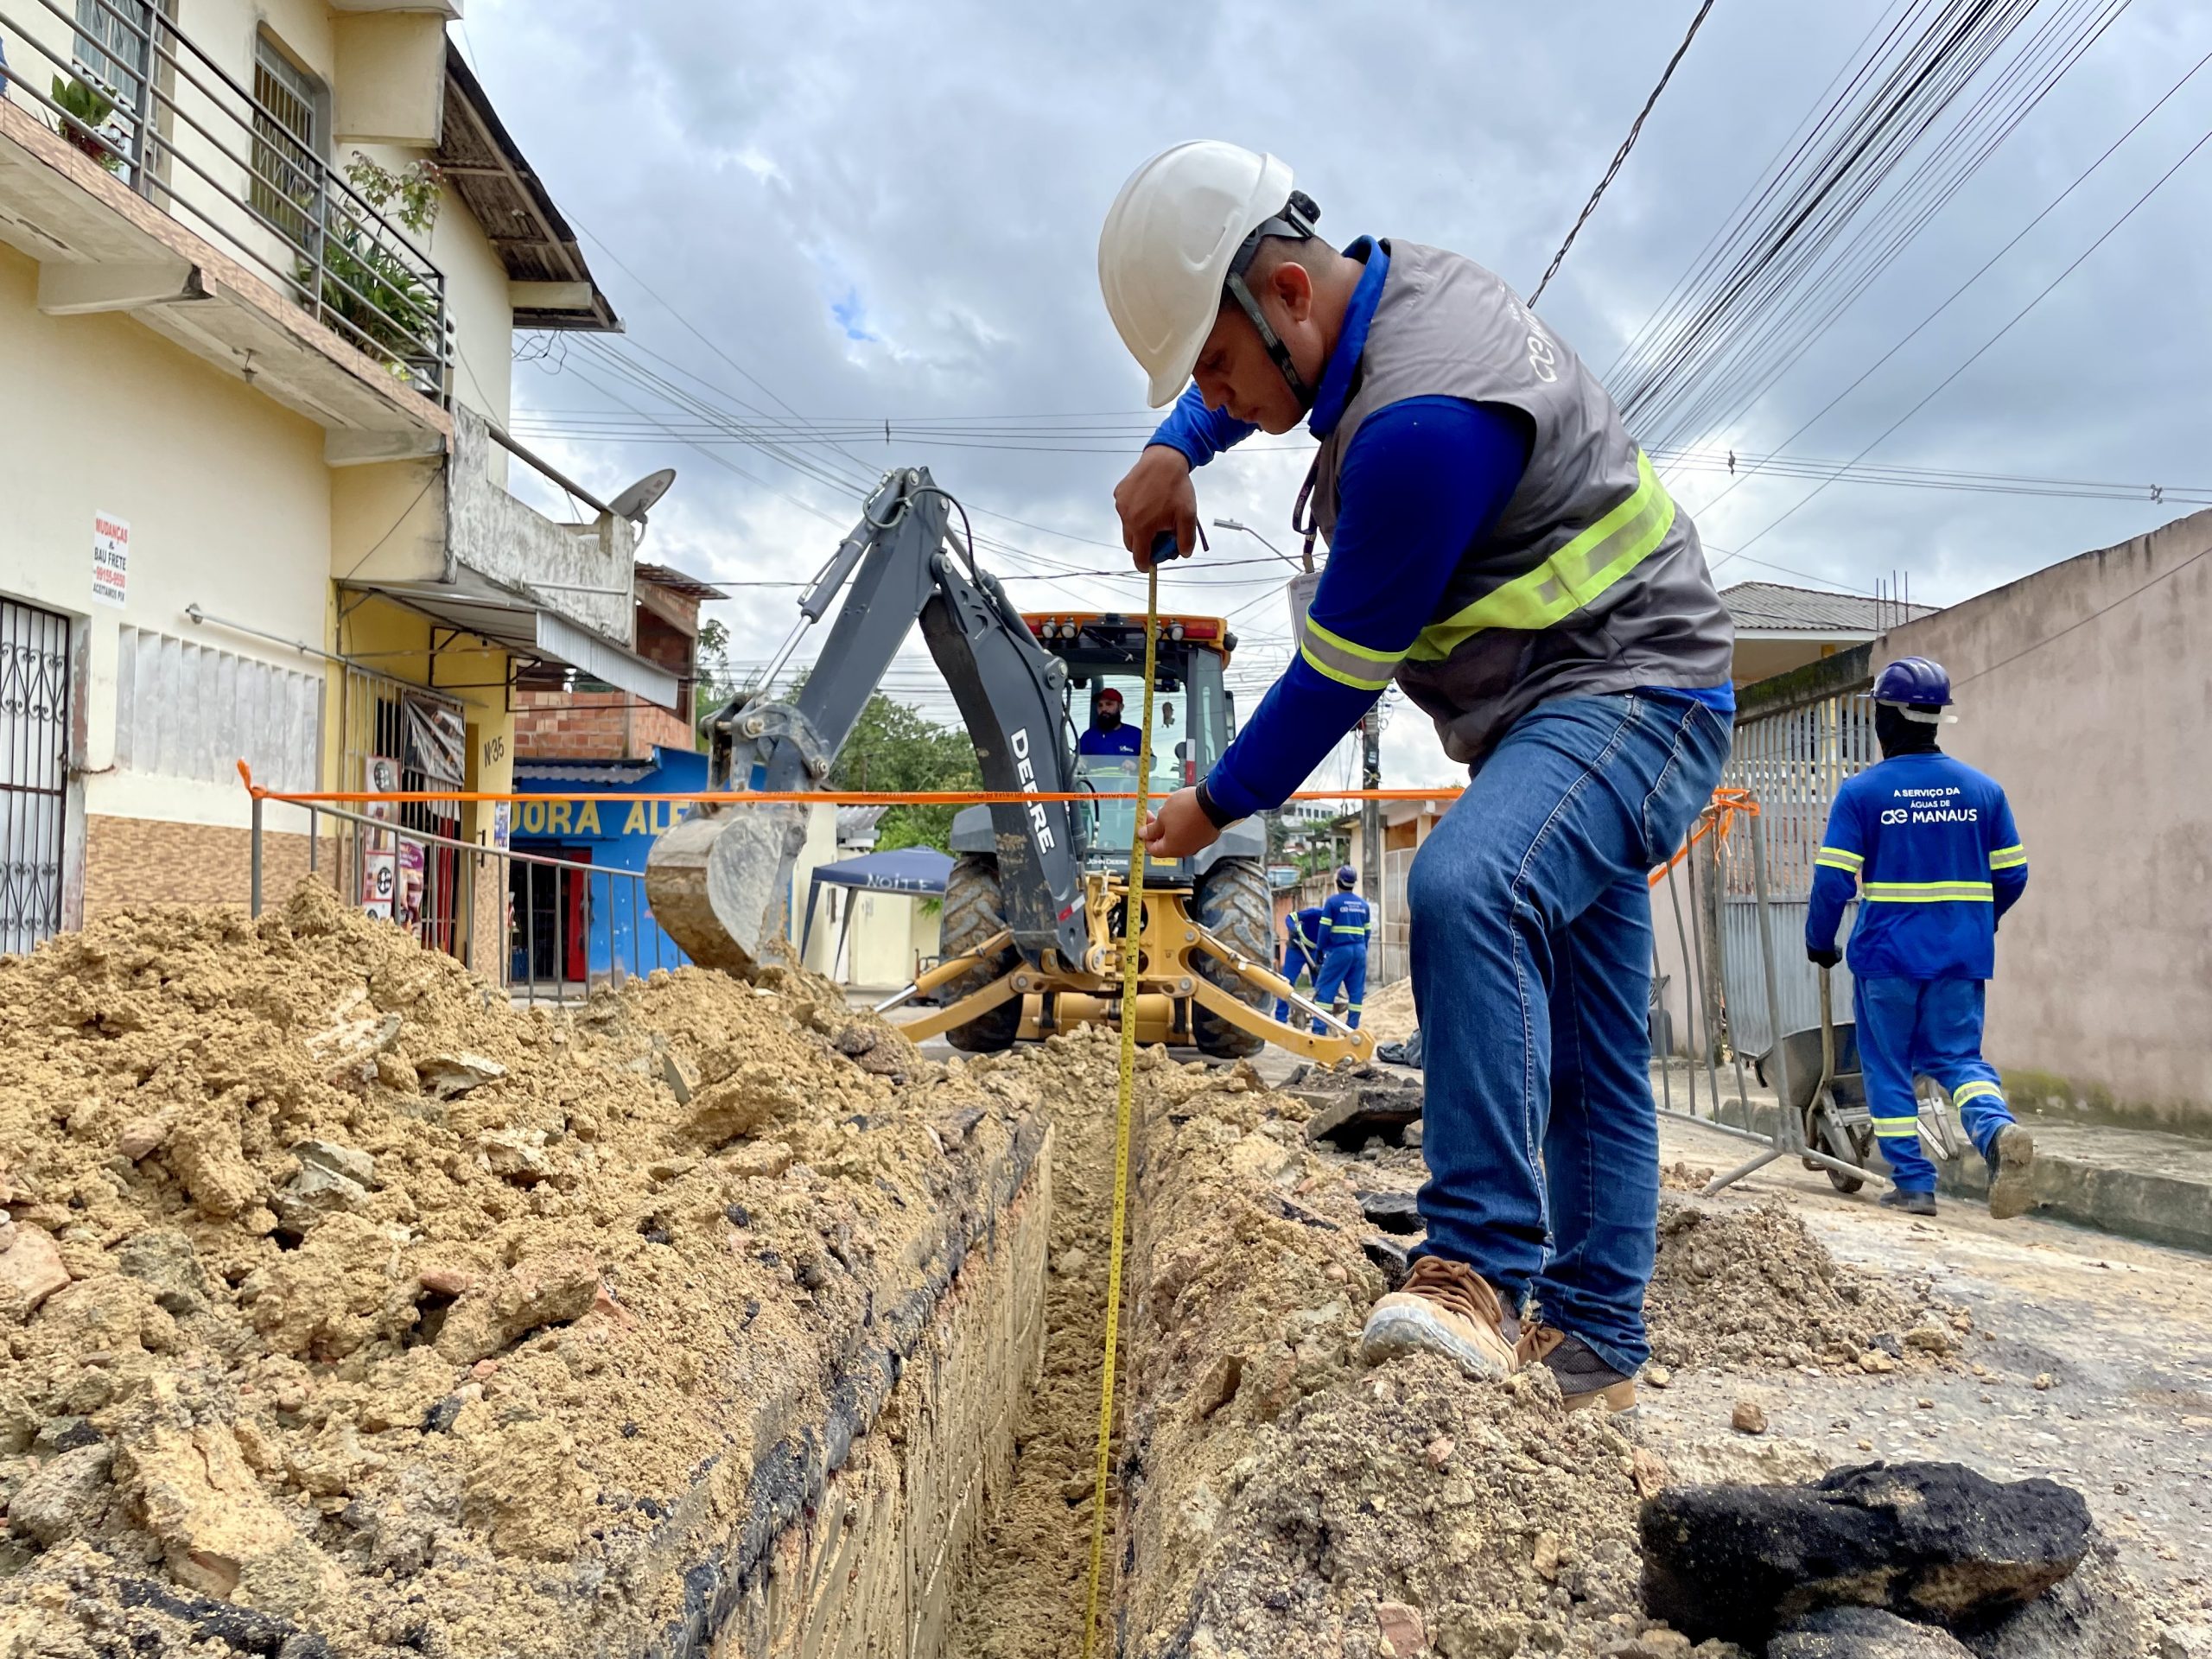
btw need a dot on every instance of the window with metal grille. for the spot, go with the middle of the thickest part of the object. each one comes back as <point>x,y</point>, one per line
<point>287,148</point>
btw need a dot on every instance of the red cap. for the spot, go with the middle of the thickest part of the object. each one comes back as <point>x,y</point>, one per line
<point>1109,695</point>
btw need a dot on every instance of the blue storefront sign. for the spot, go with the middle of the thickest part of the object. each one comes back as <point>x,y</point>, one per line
<point>580,925</point>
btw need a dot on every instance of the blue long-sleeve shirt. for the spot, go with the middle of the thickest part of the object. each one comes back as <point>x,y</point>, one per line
<point>1424,479</point>
<point>1344,918</point>
<point>1929,846</point>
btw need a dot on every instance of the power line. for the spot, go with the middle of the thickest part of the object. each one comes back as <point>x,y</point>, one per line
<point>1981,351</point>
<point>1913,333</point>
<point>1636,129</point>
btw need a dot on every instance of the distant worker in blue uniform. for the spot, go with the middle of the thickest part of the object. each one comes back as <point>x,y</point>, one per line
<point>1301,951</point>
<point>1929,845</point>
<point>1343,942</point>
<point>1107,735</point>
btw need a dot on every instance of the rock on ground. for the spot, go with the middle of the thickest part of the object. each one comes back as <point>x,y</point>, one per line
<point>1936,1541</point>
<point>1863,1633</point>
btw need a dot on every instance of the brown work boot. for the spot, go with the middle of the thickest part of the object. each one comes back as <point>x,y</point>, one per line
<point>2012,1172</point>
<point>1444,1307</point>
<point>1583,1379</point>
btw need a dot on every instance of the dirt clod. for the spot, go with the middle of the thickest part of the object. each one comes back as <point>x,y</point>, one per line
<point>345,1290</point>
<point>1748,1418</point>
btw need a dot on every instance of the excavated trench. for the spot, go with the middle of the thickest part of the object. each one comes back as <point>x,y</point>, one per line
<point>349,1311</point>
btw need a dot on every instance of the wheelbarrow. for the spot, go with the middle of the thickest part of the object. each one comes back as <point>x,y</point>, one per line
<point>1829,1096</point>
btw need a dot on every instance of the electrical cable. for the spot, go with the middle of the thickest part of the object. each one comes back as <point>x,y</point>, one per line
<point>1984,348</point>
<point>1635,130</point>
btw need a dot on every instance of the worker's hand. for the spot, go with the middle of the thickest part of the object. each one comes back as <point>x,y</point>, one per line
<point>1156,495</point>
<point>1179,829</point>
<point>1823,958</point>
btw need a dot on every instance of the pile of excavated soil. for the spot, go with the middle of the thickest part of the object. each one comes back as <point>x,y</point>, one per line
<point>1751,1288</point>
<point>1284,1499</point>
<point>340,1295</point>
<point>1389,1013</point>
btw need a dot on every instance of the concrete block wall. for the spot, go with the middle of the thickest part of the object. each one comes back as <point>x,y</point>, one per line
<point>869,1573</point>
<point>150,861</point>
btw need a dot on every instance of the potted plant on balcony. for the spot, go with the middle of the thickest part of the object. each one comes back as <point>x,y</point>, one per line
<point>377,299</point>
<point>84,103</point>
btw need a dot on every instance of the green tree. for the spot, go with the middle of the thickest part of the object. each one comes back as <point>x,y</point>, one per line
<point>893,748</point>
<point>717,683</point>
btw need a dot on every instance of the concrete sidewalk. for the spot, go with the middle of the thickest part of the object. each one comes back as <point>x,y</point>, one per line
<point>2137,1183</point>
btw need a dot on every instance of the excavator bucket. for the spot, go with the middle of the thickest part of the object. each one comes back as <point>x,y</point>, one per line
<point>720,883</point>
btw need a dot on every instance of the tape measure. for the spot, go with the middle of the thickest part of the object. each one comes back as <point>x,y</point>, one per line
<point>1132,928</point>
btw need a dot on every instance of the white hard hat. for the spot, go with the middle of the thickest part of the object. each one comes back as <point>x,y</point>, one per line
<point>1172,243</point>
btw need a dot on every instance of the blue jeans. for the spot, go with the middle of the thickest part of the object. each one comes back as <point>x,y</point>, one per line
<point>1343,968</point>
<point>1911,1026</point>
<point>1532,981</point>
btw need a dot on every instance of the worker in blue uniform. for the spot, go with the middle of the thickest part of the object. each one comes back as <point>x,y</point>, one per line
<point>1343,942</point>
<point>1301,951</point>
<point>1929,846</point>
<point>1106,734</point>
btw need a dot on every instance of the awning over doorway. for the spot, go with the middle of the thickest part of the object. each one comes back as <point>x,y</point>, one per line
<point>520,623</point>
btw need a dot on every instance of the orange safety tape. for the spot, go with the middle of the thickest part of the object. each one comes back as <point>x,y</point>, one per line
<point>764,798</point>
<point>1721,812</point>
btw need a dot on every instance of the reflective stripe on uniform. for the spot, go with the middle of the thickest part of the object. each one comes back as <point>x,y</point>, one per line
<point>1837,859</point>
<point>1966,1091</point>
<point>1341,932</point>
<point>1344,662</point>
<point>1570,578</point>
<point>1928,892</point>
<point>1894,1126</point>
<point>2008,858</point>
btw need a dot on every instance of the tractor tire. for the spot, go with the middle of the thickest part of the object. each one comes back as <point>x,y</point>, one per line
<point>973,913</point>
<point>1232,902</point>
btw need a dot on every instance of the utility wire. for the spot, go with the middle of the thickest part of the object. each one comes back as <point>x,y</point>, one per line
<point>1758,465</point>
<point>1981,351</point>
<point>1635,130</point>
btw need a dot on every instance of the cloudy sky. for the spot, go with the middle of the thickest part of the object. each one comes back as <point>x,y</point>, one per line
<point>865,213</point>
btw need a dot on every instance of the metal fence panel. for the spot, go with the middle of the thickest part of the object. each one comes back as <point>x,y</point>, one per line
<point>1793,761</point>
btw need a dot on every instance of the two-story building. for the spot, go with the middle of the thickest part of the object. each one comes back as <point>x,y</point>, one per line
<point>260,268</point>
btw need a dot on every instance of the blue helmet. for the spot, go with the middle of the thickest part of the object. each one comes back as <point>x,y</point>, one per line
<point>1914,682</point>
<point>1347,877</point>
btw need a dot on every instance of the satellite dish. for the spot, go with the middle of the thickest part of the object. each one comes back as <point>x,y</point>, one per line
<point>642,497</point>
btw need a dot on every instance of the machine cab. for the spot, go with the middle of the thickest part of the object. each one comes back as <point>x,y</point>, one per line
<point>1192,715</point>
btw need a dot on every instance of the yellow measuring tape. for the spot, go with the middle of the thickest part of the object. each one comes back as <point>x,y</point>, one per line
<point>1132,928</point>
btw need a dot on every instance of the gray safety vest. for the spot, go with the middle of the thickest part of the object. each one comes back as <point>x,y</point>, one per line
<point>1590,582</point>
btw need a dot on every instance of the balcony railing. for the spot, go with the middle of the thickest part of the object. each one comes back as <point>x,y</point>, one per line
<point>123,84</point>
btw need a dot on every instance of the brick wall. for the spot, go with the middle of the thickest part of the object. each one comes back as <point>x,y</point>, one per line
<point>593,726</point>
<point>147,862</point>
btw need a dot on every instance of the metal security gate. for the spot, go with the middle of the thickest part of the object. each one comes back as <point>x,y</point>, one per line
<point>33,772</point>
<point>1793,761</point>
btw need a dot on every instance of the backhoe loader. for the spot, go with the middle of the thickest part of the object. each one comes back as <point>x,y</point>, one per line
<point>1037,904</point>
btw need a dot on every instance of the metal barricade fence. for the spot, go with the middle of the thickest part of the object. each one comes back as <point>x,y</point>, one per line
<point>1794,759</point>
<point>558,929</point>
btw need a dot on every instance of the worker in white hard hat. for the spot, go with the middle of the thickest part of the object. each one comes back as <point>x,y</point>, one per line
<point>1500,548</point>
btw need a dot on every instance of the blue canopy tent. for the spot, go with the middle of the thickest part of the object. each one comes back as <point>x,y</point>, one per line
<point>918,871</point>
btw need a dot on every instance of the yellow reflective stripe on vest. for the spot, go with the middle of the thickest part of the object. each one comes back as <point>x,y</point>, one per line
<point>1842,858</point>
<point>1341,932</point>
<point>1928,892</point>
<point>1344,662</point>
<point>1569,579</point>
<point>2008,858</point>
<point>1966,1091</point>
